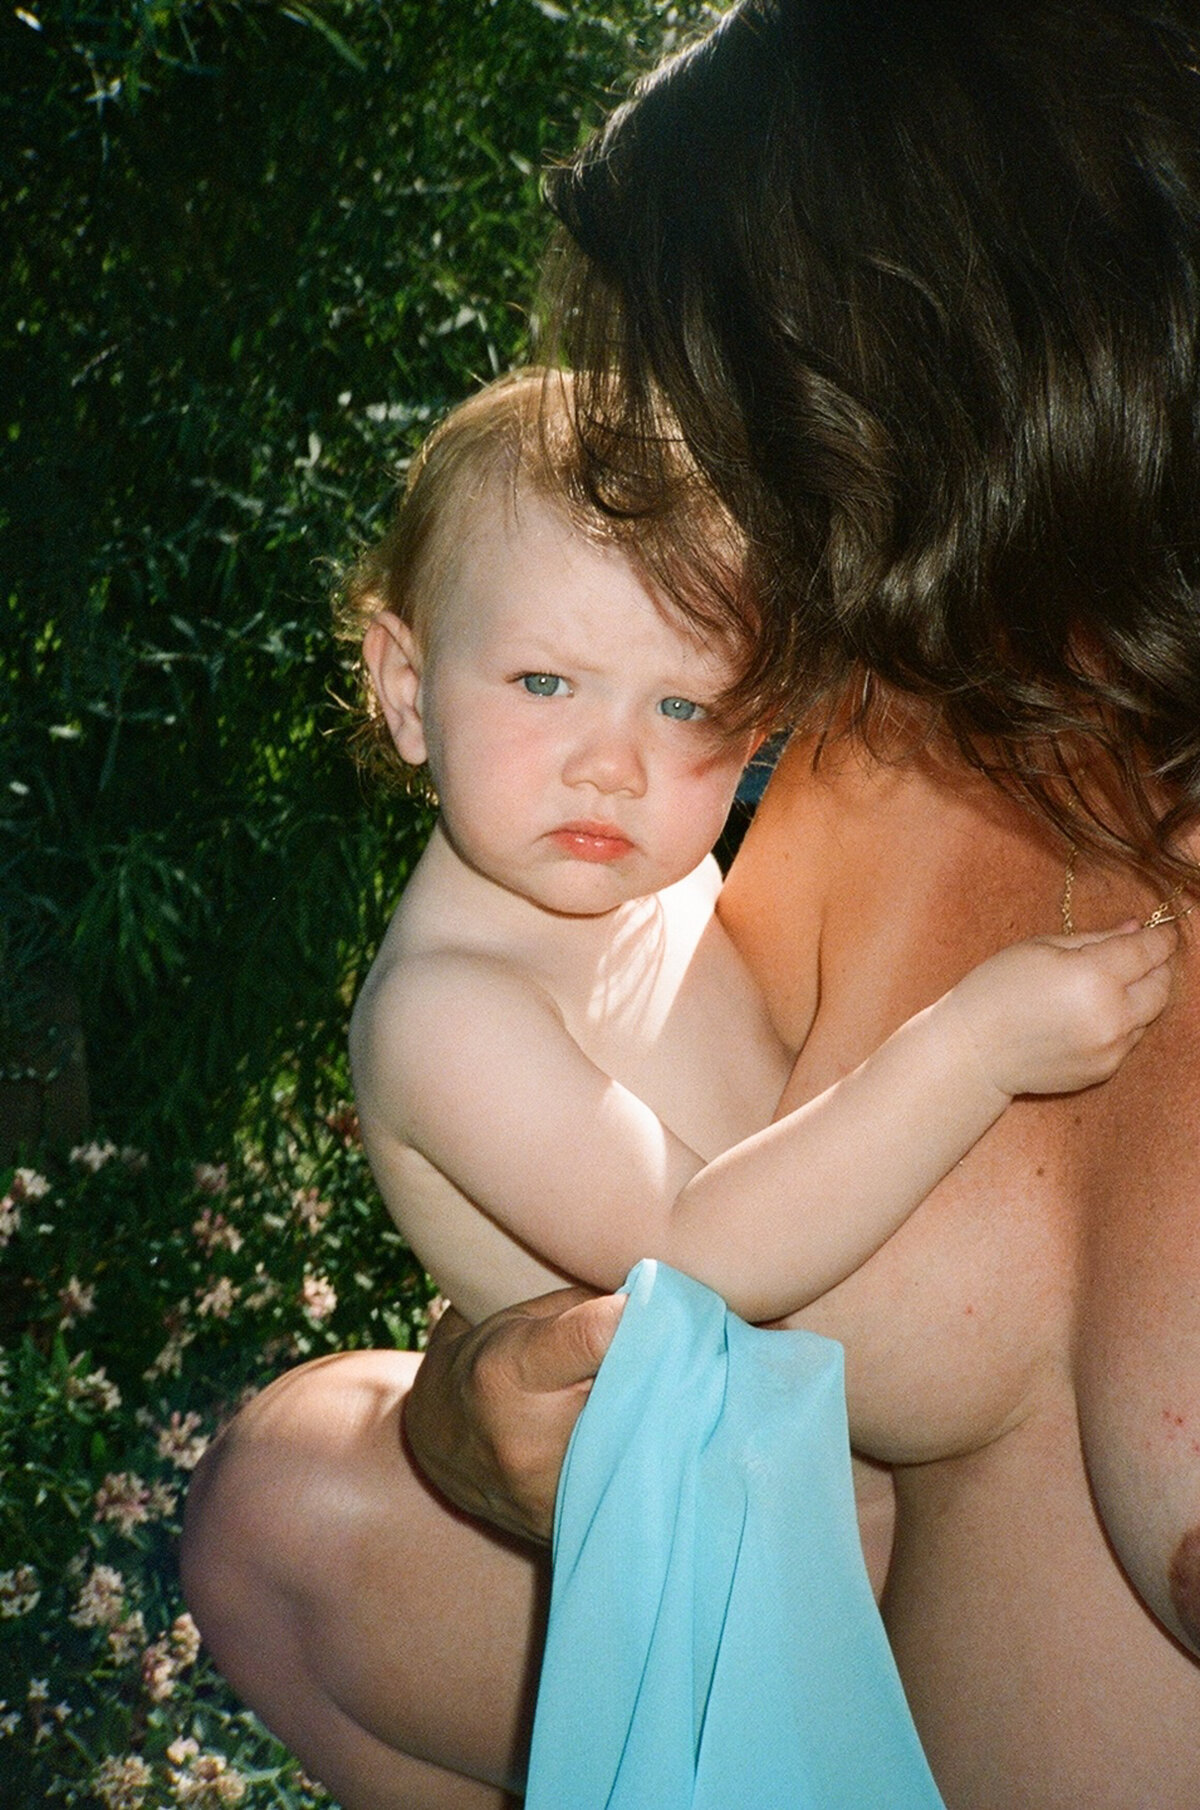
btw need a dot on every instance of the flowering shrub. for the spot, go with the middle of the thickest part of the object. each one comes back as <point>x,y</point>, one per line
<point>139,1304</point>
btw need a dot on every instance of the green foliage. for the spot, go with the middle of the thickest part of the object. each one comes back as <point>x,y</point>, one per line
<point>253,249</point>
<point>140,1301</point>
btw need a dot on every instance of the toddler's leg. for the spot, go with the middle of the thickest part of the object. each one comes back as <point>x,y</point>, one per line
<point>389,1642</point>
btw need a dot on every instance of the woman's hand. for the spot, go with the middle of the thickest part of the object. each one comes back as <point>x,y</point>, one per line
<point>493,1406</point>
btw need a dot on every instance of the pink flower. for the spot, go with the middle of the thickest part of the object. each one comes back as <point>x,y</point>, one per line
<point>213,1232</point>
<point>266,1290</point>
<point>101,1601</point>
<point>169,1361</point>
<point>210,1178</point>
<point>123,1498</point>
<point>161,1502</point>
<point>44,1715</point>
<point>158,1671</point>
<point>167,1657</point>
<point>127,1639</point>
<point>26,1187</point>
<point>10,1220</point>
<point>27,1184</point>
<point>180,1442</point>
<point>219,1300</point>
<point>94,1389</point>
<point>318,1297</point>
<point>93,1157</point>
<point>75,1300</point>
<point>121,1784</point>
<point>310,1209</point>
<point>185,1640</point>
<point>20,1590</point>
<point>203,1779</point>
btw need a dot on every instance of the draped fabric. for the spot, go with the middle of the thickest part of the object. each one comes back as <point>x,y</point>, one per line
<point>713,1640</point>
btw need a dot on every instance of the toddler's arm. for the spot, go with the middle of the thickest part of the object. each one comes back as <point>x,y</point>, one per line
<point>784,1216</point>
<point>471,1065</point>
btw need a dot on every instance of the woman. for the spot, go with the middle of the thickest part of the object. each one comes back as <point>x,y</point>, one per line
<point>921,283</point>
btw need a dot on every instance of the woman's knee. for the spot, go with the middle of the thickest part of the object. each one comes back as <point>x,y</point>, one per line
<point>342,1599</point>
<point>284,1498</point>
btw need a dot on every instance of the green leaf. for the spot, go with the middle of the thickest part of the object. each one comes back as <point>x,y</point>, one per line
<point>307,15</point>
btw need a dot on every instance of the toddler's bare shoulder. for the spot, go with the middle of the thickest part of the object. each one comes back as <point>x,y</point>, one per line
<point>427,990</point>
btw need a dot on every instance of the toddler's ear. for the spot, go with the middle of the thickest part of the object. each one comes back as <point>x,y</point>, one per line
<point>394,662</point>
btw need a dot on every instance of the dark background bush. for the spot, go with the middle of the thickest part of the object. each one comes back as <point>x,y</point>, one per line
<point>252,248</point>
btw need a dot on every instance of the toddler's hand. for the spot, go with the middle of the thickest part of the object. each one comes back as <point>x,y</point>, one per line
<point>1058,1013</point>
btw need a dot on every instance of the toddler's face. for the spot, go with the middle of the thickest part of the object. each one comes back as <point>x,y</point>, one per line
<point>566,719</point>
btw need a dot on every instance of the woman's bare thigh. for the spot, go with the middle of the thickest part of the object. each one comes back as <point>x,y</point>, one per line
<point>390,1642</point>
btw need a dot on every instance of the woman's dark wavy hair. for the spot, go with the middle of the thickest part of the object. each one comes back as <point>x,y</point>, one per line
<point>920,281</point>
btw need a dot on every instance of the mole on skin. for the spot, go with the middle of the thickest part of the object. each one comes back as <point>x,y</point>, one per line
<point>1184,1579</point>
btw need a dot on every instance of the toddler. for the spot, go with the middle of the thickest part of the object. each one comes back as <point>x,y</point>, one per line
<point>561,1063</point>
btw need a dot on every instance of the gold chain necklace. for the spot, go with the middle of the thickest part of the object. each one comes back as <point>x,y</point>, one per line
<point>1164,912</point>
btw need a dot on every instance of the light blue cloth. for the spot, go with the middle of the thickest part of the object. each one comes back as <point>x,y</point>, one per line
<point>713,1640</point>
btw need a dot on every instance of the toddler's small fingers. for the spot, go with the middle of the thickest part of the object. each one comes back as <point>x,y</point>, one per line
<point>1160,944</point>
<point>1083,939</point>
<point>1128,956</point>
<point>1147,996</point>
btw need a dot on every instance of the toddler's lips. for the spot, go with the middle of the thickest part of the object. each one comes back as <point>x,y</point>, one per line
<point>598,842</point>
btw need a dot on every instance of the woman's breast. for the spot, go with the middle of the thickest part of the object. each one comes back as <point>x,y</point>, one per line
<point>1055,1274</point>
<point>1137,1357</point>
<point>858,899</point>
<point>960,1326</point>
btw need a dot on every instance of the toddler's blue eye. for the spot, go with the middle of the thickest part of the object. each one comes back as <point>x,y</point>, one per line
<point>681,710</point>
<point>543,684</point>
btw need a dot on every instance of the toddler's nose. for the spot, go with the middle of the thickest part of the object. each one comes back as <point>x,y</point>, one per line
<point>608,758</point>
